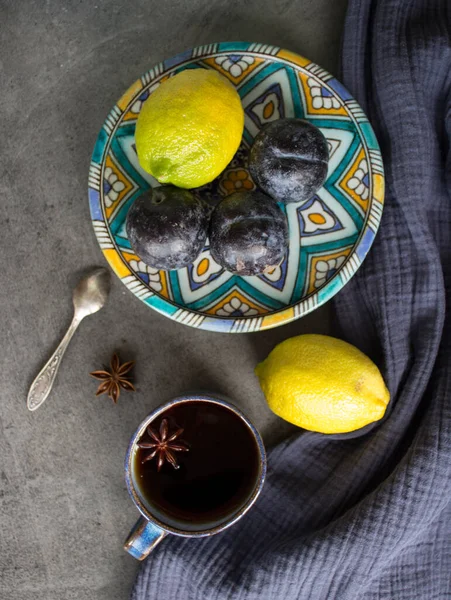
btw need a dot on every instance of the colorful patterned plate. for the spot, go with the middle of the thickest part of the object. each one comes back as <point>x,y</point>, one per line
<point>330,234</point>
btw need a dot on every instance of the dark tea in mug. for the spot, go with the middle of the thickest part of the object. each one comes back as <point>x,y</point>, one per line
<point>211,471</point>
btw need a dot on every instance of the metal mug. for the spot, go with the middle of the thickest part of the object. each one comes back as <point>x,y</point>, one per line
<point>149,530</point>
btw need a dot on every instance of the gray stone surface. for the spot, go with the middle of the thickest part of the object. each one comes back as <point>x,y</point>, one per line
<point>64,510</point>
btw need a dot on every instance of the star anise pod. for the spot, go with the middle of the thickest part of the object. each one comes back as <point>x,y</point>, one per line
<point>163,446</point>
<point>113,381</point>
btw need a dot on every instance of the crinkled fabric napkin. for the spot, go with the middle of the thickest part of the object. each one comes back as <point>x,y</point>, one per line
<point>366,516</point>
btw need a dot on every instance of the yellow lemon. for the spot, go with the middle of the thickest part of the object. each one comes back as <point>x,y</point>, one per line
<point>189,128</point>
<point>323,384</point>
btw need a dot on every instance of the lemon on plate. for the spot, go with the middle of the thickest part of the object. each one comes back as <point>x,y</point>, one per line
<point>323,384</point>
<point>189,128</point>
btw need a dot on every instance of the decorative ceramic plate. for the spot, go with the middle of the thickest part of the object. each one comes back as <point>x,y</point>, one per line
<point>330,234</point>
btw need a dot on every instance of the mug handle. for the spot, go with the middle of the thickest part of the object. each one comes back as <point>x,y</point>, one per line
<point>143,538</point>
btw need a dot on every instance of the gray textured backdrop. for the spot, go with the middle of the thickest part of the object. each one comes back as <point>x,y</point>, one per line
<point>64,510</point>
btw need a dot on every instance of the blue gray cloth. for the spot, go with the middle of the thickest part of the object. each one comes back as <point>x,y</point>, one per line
<point>365,516</point>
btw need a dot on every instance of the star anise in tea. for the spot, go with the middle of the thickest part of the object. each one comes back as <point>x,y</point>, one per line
<point>114,380</point>
<point>163,445</point>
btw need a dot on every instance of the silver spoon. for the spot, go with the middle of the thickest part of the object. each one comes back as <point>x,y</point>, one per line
<point>89,296</point>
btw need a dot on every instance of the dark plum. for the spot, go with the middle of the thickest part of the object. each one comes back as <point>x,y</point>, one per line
<point>248,233</point>
<point>167,227</point>
<point>289,160</point>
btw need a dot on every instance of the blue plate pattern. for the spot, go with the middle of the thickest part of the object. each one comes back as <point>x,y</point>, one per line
<point>330,234</point>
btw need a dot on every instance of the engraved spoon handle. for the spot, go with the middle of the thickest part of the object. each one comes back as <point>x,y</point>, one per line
<point>42,385</point>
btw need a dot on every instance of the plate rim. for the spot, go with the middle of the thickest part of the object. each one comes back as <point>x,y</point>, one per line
<point>237,324</point>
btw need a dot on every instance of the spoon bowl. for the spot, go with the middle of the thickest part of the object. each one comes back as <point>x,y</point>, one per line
<point>92,292</point>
